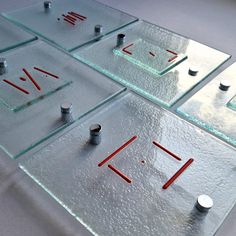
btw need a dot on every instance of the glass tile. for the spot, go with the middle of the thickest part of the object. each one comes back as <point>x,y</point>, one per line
<point>210,107</point>
<point>153,61</point>
<point>116,187</point>
<point>81,17</point>
<point>12,36</point>
<point>39,79</point>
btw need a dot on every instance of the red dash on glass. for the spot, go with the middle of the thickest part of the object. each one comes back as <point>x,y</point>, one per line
<point>72,23</point>
<point>116,151</point>
<point>178,173</point>
<point>46,72</point>
<point>152,54</point>
<point>120,174</point>
<point>172,59</point>
<point>31,78</point>
<point>167,151</point>
<point>15,86</point>
<point>71,18</point>
<point>77,15</point>
<point>125,49</point>
<point>22,78</point>
<point>171,52</point>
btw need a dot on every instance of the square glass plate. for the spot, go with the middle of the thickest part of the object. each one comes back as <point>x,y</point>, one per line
<point>39,79</point>
<point>210,107</point>
<point>116,187</point>
<point>81,15</point>
<point>12,36</point>
<point>153,61</point>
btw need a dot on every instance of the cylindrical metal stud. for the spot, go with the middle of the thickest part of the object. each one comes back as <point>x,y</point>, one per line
<point>95,134</point>
<point>204,203</point>
<point>224,85</point>
<point>120,40</point>
<point>66,112</point>
<point>98,30</point>
<point>192,71</point>
<point>3,66</point>
<point>47,5</point>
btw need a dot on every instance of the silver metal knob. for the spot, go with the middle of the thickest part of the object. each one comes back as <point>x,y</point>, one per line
<point>66,112</point>
<point>120,40</point>
<point>204,203</point>
<point>95,134</point>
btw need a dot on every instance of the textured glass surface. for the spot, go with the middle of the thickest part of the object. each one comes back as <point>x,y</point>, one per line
<point>12,36</point>
<point>70,34</point>
<point>27,119</point>
<point>109,205</point>
<point>232,103</point>
<point>210,107</point>
<point>153,51</point>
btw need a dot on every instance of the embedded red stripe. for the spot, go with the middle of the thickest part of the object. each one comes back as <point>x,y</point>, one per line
<point>69,18</point>
<point>15,86</point>
<point>81,17</point>
<point>125,49</point>
<point>31,78</point>
<point>167,151</point>
<point>118,172</point>
<point>178,173</point>
<point>152,54</point>
<point>171,52</point>
<point>172,59</point>
<point>72,23</point>
<point>46,72</point>
<point>116,151</point>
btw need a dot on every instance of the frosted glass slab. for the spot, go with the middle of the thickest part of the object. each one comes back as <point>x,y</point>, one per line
<point>40,78</point>
<point>78,28</point>
<point>232,103</point>
<point>12,36</point>
<point>82,177</point>
<point>153,61</point>
<point>213,109</point>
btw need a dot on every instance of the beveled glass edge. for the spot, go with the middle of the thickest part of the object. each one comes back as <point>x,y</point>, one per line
<point>52,133</point>
<point>35,100</point>
<point>218,134</point>
<point>230,105</point>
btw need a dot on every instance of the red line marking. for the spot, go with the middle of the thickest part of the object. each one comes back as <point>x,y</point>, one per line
<point>70,18</point>
<point>125,49</point>
<point>77,15</point>
<point>152,54</point>
<point>171,52</point>
<point>31,78</point>
<point>178,173</point>
<point>127,179</point>
<point>23,79</point>
<point>46,72</point>
<point>116,151</point>
<point>166,150</point>
<point>15,86</point>
<point>71,22</point>
<point>173,58</point>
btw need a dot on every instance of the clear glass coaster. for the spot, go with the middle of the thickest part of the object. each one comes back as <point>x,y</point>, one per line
<point>74,19</point>
<point>232,103</point>
<point>145,175</point>
<point>12,36</point>
<point>213,108</point>
<point>153,61</point>
<point>39,79</point>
